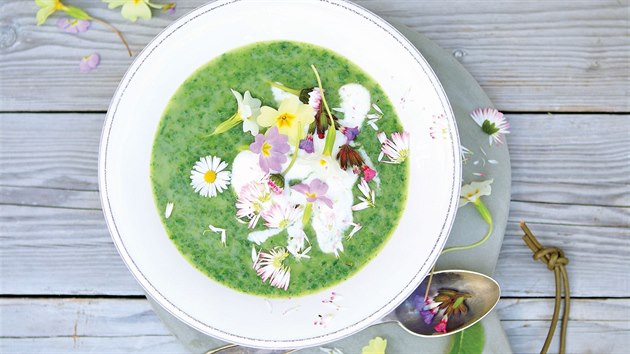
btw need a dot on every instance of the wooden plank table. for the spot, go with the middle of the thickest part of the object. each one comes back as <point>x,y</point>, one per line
<point>560,71</point>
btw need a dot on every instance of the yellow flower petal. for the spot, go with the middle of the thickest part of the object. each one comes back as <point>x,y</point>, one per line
<point>131,10</point>
<point>267,117</point>
<point>375,346</point>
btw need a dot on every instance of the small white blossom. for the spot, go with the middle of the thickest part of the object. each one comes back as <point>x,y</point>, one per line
<point>470,193</point>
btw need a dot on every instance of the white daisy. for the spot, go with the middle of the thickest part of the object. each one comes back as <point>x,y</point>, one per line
<point>472,192</point>
<point>281,215</point>
<point>492,122</point>
<point>208,177</point>
<point>396,149</point>
<point>269,266</point>
<point>369,197</point>
<point>253,199</point>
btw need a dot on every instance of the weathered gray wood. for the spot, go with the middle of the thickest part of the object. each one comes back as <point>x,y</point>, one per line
<point>568,159</point>
<point>48,168</point>
<point>527,55</point>
<point>129,325</point>
<point>69,251</point>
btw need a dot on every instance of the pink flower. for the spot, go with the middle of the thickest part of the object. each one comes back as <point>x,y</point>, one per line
<point>269,266</point>
<point>73,25</point>
<point>314,191</point>
<point>89,63</point>
<point>441,326</point>
<point>272,149</point>
<point>368,173</point>
<point>492,122</point>
<point>396,149</point>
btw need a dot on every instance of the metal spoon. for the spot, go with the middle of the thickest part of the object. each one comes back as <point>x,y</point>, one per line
<point>484,291</point>
<point>485,294</point>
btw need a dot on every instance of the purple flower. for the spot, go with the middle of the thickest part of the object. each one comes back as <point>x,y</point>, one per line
<point>73,25</point>
<point>314,191</point>
<point>350,133</point>
<point>307,144</point>
<point>89,63</point>
<point>272,150</point>
<point>169,8</point>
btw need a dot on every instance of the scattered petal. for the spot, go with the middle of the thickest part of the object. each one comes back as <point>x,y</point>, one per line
<point>89,63</point>
<point>71,25</point>
<point>169,210</point>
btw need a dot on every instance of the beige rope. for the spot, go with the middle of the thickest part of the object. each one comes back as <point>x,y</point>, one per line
<point>555,260</point>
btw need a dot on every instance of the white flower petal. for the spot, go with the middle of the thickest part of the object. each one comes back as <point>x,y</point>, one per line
<point>169,210</point>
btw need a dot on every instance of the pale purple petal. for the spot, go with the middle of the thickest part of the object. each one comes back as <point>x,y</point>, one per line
<point>318,187</point>
<point>256,146</point>
<point>326,201</point>
<point>89,63</point>
<point>350,133</point>
<point>307,145</point>
<point>301,188</point>
<point>73,25</point>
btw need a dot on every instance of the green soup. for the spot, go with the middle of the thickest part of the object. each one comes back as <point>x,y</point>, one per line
<point>204,101</point>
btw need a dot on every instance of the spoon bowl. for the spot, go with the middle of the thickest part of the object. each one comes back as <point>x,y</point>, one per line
<point>484,295</point>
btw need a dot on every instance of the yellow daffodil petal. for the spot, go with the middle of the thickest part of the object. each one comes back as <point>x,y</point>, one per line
<point>375,346</point>
<point>131,10</point>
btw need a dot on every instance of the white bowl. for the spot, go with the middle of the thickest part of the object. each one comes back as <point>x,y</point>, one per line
<point>134,223</point>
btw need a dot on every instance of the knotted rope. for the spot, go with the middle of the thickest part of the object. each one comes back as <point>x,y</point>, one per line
<point>555,260</point>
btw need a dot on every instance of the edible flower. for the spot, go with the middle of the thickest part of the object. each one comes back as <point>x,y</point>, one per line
<point>368,199</point>
<point>73,25</point>
<point>492,122</point>
<point>49,7</point>
<point>322,123</point>
<point>296,243</point>
<point>272,149</point>
<point>307,144</point>
<point>396,149</point>
<point>350,133</point>
<point>208,177</point>
<point>315,191</point>
<point>269,266</point>
<point>349,157</point>
<point>368,173</point>
<point>132,9</point>
<point>441,326</point>
<point>280,215</point>
<point>471,193</point>
<point>248,109</point>
<point>89,63</point>
<point>252,200</point>
<point>376,345</point>
<point>290,118</point>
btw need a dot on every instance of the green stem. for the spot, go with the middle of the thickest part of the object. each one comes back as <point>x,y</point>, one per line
<point>226,125</point>
<point>295,154</point>
<point>116,31</point>
<point>307,213</point>
<point>332,132</point>
<point>487,217</point>
<point>284,88</point>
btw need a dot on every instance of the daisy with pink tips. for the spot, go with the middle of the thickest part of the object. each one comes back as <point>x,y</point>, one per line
<point>281,215</point>
<point>396,149</point>
<point>492,122</point>
<point>252,200</point>
<point>270,266</point>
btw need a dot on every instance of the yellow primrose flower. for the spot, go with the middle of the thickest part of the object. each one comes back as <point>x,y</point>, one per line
<point>291,118</point>
<point>375,346</point>
<point>49,7</point>
<point>132,9</point>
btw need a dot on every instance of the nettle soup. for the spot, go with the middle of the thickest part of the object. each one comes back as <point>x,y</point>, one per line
<point>280,169</point>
